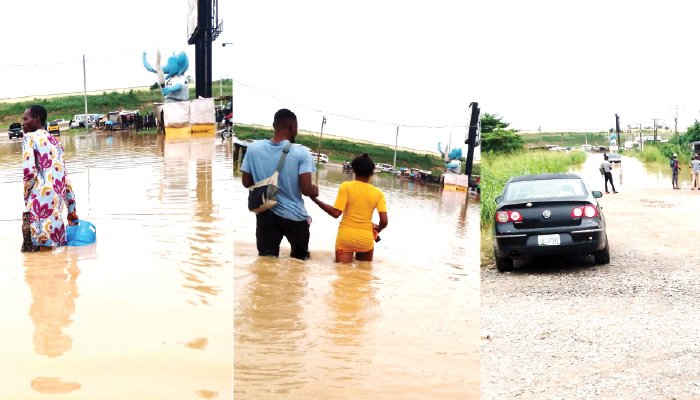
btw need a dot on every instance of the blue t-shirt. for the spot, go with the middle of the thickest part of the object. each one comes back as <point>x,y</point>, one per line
<point>260,161</point>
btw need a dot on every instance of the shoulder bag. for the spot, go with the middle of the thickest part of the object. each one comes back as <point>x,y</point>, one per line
<point>263,195</point>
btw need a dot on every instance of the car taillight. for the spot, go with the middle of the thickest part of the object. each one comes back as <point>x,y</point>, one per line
<point>508,216</point>
<point>587,211</point>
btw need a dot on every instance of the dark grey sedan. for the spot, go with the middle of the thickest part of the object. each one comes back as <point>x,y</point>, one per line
<point>548,214</point>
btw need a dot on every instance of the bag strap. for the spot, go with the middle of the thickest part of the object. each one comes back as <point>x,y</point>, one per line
<point>285,151</point>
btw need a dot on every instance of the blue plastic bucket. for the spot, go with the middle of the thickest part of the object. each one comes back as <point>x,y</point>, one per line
<point>82,234</point>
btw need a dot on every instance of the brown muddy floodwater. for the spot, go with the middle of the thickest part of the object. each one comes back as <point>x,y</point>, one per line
<point>146,312</point>
<point>632,174</point>
<point>404,326</point>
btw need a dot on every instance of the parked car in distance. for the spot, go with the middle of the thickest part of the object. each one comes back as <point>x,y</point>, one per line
<point>614,158</point>
<point>383,167</point>
<point>54,129</point>
<point>548,214</point>
<point>321,157</point>
<point>15,131</point>
<point>586,147</point>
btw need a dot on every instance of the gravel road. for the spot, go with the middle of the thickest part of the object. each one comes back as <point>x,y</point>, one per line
<point>564,328</point>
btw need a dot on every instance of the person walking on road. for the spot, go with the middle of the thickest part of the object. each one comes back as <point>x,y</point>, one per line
<point>47,189</point>
<point>288,218</point>
<point>356,202</point>
<point>606,168</point>
<point>695,166</point>
<point>674,171</point>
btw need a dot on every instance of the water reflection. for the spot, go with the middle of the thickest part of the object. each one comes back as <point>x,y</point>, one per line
<point>53,385</point>
<point>188,173</point>
<point>151,300</point>
<point>54,290</point>
<point>272,315</point>
<point>352,303</point>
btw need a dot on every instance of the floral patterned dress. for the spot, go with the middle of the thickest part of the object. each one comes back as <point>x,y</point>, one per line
<point>46,188</point>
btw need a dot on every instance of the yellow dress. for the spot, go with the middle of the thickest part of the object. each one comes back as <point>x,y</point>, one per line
<point>357,200</point>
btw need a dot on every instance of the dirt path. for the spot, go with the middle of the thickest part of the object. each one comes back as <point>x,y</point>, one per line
<point>565,328</point>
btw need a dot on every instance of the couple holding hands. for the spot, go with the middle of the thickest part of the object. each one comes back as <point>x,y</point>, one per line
<point>356,200</point>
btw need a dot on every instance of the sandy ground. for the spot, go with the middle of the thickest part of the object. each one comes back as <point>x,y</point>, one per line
<point>566,328</point>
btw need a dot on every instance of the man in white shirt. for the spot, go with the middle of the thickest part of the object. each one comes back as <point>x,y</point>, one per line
<point>607,172</point>
<point>695,165</point>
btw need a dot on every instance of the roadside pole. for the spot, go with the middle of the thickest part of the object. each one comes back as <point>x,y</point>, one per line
<point>318,151</point>
<point>85,95</point>
<point>617,130</point>
<point>396,144</point>
<point>471,141</point>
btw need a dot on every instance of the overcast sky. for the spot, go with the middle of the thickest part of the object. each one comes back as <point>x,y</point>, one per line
<point>549,64</point>
<point>44,41</point>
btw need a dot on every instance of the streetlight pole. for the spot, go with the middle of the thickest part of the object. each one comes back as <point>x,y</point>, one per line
<point>224,45</point>
<point>396,144</point>
<point>85,94</point>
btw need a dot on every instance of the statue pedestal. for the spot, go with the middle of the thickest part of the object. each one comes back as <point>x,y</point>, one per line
<point>187,119</point>
<point>456,182</point>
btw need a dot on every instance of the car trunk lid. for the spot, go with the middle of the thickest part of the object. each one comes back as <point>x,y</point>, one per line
<point>544,214</point>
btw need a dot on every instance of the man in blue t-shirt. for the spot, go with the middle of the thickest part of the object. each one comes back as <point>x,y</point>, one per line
<point>674,171</point>
<point>288,218</point>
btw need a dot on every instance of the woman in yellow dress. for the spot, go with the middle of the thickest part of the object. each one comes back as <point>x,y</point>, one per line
<point>356,202</point>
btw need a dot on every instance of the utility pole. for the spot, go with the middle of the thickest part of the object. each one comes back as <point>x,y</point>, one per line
<point>641,140</point>
<point>675,119</point>
<point>85,94</point>
<point>472,141</point>
<point>224,45</point>
<point>318,152</point>
<point>396,144</point>
<point>617,130</point>
<point>656,123</point>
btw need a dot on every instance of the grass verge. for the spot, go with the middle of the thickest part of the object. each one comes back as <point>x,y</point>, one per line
<point>340,150</point>
<point>67,106</point>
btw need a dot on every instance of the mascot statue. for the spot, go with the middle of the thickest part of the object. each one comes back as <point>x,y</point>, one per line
<point>171,76</point>
<point>452,158</point>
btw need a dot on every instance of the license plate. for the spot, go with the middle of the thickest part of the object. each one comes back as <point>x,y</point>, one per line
<point>548,240</point>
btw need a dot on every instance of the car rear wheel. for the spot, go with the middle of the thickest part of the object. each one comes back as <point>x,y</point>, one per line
<point>504,264</point>
<point>603,256</point>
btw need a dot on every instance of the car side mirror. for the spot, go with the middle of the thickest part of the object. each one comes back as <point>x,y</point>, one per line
<point>497,199</point>
<point>597,194</point>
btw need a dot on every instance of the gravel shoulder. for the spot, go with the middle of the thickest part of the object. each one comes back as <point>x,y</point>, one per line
<point>566,328</point>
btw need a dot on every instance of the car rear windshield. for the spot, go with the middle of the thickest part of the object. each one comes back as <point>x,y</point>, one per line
<point>544,189</point>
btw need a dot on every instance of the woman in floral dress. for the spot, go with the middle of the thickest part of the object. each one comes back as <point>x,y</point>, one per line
<point>46,186</point>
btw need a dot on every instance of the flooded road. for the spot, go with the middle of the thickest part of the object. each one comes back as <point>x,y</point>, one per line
<point>402,327</point>
<point>146,311</point>
<point>632,174</point>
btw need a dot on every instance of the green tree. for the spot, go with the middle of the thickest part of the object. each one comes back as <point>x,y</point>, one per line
<point>693,133</point>
<point>501,141</point>
<point>496,138</point>
<point>491,122</point>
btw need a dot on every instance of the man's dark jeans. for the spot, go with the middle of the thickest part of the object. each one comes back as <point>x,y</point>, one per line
<point>608,177</point>
<point>271,228</point>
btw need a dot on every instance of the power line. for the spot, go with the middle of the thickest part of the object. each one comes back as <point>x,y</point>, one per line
<point>350,117</point>
<point>94,58</point>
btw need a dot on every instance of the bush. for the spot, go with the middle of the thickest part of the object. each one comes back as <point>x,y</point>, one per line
<point>501,141</point>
